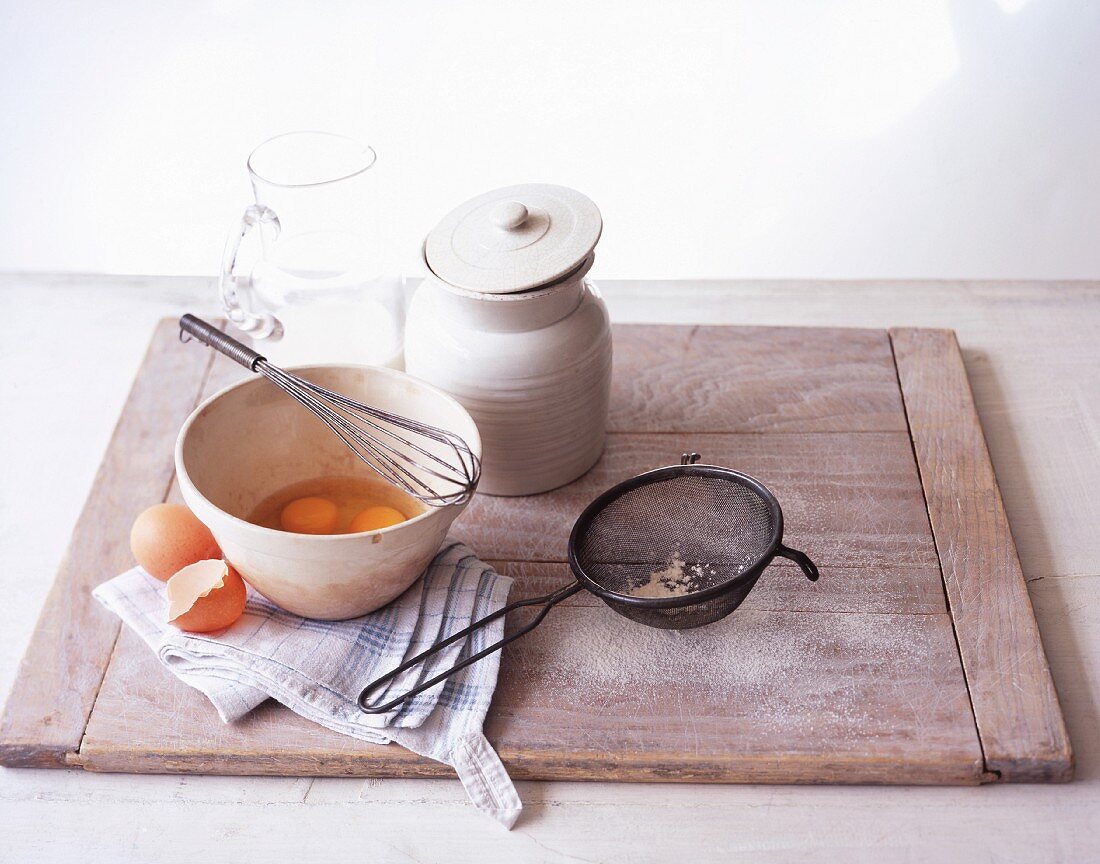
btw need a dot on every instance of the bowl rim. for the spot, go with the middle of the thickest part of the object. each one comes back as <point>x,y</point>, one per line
<point>260,531</point>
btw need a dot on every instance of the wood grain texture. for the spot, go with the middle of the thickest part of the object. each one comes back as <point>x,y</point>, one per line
<point>782,588</point>
<point>768,695</point>
<point>854,679</point>
<point>64,664</point>
<point>759,697</point>
<point>1019,719</point>
<point>189,737</point>
<point>753,379</point>
<point>849,499</point>
<point>1030,356</point>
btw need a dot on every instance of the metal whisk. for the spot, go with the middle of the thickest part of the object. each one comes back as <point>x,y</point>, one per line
<point>395,447</point>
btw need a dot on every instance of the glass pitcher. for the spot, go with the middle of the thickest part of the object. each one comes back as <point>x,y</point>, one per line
<point>300,274</point>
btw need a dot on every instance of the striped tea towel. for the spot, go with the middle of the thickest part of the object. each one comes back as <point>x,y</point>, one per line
<point>318,668</point>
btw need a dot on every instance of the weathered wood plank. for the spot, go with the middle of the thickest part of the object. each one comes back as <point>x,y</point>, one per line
<point>187,735</point>
<point>753,379</point>
<point>64,664</point>
<point>221,373</point>
<point>849,499</point>
<point>782,588</point>
<point>1016,707</point>
<point>756,697</point>
<point>759,697</point>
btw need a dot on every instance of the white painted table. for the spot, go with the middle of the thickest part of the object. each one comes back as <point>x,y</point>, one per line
<point>70,348</point>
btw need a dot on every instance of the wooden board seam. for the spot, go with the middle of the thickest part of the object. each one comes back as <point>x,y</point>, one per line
<point>771,433</point>
<point>1015,705</point>
<point>986,773</point>
<point>777,563</point>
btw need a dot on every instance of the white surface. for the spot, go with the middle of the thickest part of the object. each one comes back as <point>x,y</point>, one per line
<point>1032,360</point>
<point>848,139</point>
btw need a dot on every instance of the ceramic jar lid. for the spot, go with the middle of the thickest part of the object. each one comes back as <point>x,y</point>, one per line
<point>514,238</point>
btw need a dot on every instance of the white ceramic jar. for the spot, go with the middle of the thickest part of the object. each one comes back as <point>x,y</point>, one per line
<point>509,325</point>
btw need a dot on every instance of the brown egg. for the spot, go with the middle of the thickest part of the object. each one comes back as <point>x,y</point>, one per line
<point>167,537</point>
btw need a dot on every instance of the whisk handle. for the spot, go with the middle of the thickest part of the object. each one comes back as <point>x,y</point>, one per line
<point>210,335</point>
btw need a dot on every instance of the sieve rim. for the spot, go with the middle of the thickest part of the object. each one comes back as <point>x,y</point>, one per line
<point>657,475</point>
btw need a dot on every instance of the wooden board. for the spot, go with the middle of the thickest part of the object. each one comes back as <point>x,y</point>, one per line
<point>867,437</point>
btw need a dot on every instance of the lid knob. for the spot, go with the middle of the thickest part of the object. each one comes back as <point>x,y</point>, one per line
<point>508,215</point>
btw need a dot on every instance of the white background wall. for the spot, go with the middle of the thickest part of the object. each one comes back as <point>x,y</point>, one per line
<point>758,138</point>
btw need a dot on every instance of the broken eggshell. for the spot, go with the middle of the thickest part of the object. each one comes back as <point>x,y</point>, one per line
<point>205,596</point>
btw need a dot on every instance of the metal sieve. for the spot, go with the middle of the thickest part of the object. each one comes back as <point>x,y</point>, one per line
<point>676,548</point>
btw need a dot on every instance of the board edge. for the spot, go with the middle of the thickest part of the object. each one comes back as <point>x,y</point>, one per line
<point>1034,760</point>
<point>19,746</point>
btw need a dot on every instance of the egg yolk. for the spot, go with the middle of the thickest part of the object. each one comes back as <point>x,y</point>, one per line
<point>373,518</point>
<point>310,516</point>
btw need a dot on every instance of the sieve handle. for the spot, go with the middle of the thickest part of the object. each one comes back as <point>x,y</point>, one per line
<point>801,559</point>
<point>547,601</point>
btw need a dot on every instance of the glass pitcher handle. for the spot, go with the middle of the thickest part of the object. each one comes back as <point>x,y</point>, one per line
<point>233,285</point>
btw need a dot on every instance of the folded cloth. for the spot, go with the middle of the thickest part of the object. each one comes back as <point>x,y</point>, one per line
<point>318,668</point>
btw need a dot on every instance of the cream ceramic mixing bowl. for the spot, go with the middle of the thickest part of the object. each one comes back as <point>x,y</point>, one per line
<point>251,440</point>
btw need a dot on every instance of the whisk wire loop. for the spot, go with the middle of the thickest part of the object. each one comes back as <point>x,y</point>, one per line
<point>434,465</point>
<point>350,434</point>
<point>368,415</point>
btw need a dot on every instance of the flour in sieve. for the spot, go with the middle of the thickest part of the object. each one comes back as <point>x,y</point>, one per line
<point>678,578</point>
<point>674,579</point>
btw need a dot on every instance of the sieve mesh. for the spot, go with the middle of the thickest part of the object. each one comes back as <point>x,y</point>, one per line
<point>707,532</point>
<point>684,531</point>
